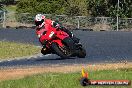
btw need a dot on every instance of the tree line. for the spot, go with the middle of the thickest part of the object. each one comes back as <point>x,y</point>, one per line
<point>7,2</point>
<point>94,8</point>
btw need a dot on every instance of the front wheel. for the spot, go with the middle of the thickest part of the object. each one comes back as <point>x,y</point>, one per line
<point>82,52</point>
<point>58,50</point>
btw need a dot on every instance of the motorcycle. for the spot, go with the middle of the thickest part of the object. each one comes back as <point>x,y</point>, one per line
<point>56,45</point>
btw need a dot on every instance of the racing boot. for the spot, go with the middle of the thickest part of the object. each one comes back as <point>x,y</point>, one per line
<point>44,50</point>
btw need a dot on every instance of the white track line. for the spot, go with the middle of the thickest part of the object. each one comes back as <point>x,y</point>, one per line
<point>26,57</point>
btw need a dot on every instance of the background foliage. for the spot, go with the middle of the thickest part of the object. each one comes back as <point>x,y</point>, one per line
<point>109,8</point>
<point>41,6</point>
<point>75,7</point>
<point>1,7</point>
<point>7,2</point>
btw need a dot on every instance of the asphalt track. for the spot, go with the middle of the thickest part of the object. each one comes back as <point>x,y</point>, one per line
<point>101,47</point>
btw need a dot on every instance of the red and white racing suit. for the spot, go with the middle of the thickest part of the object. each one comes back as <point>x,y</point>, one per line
<point>47,23</point>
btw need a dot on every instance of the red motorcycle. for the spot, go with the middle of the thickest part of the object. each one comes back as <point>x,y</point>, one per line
<point>56,44</point>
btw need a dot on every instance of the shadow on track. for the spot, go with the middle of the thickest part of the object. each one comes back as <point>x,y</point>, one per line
<point>55,59</point>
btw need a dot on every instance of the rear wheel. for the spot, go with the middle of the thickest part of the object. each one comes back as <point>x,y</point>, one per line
<point>59,51</point>
<point>82,52</point>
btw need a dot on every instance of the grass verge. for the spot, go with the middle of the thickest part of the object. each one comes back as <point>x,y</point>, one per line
<point>67,80</point>
<point>9,50</point>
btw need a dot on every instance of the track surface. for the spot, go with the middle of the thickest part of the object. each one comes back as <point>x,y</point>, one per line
<point>100,46</point>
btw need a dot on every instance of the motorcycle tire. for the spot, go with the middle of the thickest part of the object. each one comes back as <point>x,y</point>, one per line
<point>82,52</point>
<point>58,51</point>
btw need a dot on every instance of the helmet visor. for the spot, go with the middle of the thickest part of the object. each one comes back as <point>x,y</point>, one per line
<point>37,23</point>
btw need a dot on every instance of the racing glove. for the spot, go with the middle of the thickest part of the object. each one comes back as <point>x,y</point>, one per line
<point>55,24</point>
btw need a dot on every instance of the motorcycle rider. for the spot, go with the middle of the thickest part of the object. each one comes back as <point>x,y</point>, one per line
<point>42,24</point>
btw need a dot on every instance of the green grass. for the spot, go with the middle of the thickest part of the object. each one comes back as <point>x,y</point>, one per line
<point>67,80</point>
<point>12,50</point>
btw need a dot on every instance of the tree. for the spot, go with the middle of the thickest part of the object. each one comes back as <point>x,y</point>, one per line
<point>7,2</point>
<point>69,7</point>
<point>125,8</point>
<point>97,7</point>
<point>109,8</point>
<point>1,7</point>
<point>41,6</point>
<point>76,7</point>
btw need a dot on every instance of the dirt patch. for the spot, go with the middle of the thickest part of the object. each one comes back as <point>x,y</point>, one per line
<point>16,73</point>
<point>98,27</point>
<point>17,24</point>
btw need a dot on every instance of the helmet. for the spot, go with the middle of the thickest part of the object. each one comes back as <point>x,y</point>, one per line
<point>39,20</point>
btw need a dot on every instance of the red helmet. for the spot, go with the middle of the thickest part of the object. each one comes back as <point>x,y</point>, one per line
<point>39,20</point>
